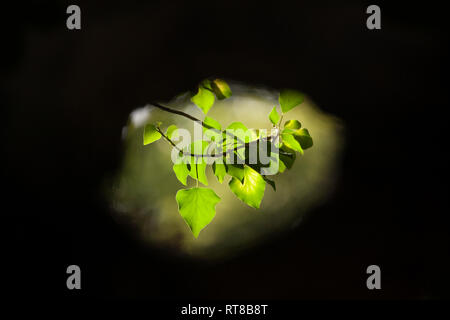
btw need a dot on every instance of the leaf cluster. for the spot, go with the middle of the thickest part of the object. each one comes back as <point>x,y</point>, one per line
<point>230,155</point>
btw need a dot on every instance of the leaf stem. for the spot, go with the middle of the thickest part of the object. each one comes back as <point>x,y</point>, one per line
<point>196,171</point>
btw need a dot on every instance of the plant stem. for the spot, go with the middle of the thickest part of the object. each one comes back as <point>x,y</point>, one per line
<point>196,171</point>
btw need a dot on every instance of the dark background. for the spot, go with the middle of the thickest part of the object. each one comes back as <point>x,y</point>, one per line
<point>68,93</point>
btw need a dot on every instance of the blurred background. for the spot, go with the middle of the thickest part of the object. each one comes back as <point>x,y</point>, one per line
<point>375,97</point>
<point>143,190</point>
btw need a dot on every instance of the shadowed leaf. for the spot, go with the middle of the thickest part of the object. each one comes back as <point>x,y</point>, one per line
<point>221,89</point>
<point>289,99</point>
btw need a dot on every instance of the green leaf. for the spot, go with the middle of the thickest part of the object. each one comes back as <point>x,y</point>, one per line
<point>292,124</point>
<point>151,134</point>
<point>212,123</point>
<point>291,142</point>
<point>236,171</point>
<point>220,170</point>
<point>290,99</point>
<point>221,89</point>
<point>171,131</point>
<point>271,183</point>
<point>198,164</point>
<point>181,170</point>
<point>214,133</point>
<point>274,117</point>
<point>281,165</point>
<point>304,138</point>
<point>239,130</point>
<point>197,207</point>
<point>204,99</point>
<point>287,158</point>
<point>251,191</point>
<point>238,134</point>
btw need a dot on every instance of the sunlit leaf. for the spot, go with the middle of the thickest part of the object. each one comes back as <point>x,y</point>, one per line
<point>292,124</point>
<point>274,117</point>
<point>251,191</point>
<point>239,130</point>
<point>291,142</point>
<point>236,171</point>
<point>181,170</point>
<point>212,123</point>
<point>289,99</point>
<point>219,170</point>
<point>151,134</point>
<point>197,207</point>
<point>204,99</point>
<point>238,133</point>
<point>198,162</point>
<point>172,131</point>
<point>221,89</point>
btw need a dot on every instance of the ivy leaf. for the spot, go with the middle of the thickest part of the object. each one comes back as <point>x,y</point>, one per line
<point>197,207</point>
<point>240,131</point>
<point>290,141</point>
<point>212,123</point>
<point>287,158</point>
<point>292,124</point>
<point>151,134</point>
<point>251,191</point>
<point>236,171</point>
<point>271,183</point>
<point>198,164</point>
<point>304,138</point>
<point>221,89</point>
<point>214,133</point>
<point>220,170</point>
<point>172,131</point>
<point>181,170</point>
<point>204,99</point>
<point>289,99</point>
<point>281,165</point>
<point>274,117</point>
<point>239,135</point>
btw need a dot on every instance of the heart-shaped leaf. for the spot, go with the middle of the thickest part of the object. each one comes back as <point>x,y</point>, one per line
<point>151,134</point>
<point>221,89</point>
<point>197,206</point>
<point>251,191</point>
<point>289,99</point>
<point>274,117</point>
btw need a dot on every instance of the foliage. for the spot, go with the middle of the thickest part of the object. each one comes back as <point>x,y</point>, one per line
<point>248,178</point>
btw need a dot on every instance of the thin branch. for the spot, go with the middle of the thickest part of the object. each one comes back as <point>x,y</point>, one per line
<point>181,113</point>
<point>219,155</point>
<point>224,154</point>
<point>186,115</point>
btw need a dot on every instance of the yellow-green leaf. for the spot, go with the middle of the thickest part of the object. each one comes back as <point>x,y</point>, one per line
<point>204,99</point>
<point>251,191</point>
<point>172,131</point>
<point>220,170</point>
<point>197,206</point>
<point>151,134</point>
<point>292,124</point>
<point>291,142</point>
<point>274,117</point>
<point>181,170</point>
